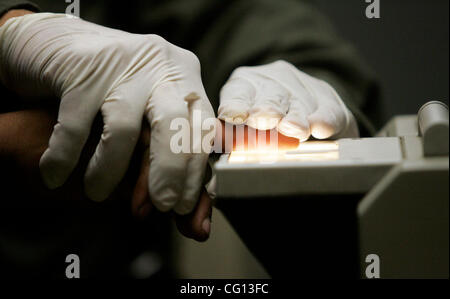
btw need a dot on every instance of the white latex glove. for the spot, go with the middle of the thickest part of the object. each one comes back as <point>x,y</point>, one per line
<point>278,95</point>
<point>125,76</point>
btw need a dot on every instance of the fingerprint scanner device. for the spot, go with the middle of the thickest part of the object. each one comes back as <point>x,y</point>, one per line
<point>343,166</point>
<point>315,167</point>
<point>401,175</point>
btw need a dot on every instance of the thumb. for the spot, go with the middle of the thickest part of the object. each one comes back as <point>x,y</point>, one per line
<point>197,225</point>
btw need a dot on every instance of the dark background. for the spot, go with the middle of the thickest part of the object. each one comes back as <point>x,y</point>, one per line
<point>407,47</point>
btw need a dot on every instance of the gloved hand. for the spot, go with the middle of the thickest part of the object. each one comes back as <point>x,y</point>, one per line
<point>278,95</point>
<point>125,76</point>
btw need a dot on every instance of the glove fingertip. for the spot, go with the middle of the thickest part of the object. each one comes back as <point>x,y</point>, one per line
<point>182,208</point>
<point>322,130</point>
<point>163,199</point>
<point>50,182</point>
<point>52,175</point>
<point>94,193</point>
<point>187,204</point>
<point>164,205</point>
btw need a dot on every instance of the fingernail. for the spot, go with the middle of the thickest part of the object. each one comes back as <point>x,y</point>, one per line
<point>206,225</point>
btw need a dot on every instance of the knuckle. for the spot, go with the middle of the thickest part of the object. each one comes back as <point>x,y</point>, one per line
<point>188,54</point>
<point>242,70</point>
<point>284,66</point>
<point>157,39</point>
<point>190,58</point>
<point>282,63</point>
<point>327,86</point>
<point>164,47</point>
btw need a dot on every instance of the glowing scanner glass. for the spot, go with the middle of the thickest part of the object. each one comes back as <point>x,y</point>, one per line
<point>306,152</point>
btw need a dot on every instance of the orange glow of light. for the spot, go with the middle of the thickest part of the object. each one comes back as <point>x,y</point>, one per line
<point>305,152</point>
<point>244,138</point>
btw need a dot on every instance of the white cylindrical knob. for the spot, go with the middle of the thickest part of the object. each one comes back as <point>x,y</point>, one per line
<point>433,127</point>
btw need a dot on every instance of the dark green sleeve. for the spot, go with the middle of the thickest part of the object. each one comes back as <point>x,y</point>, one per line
<point>6,5</point>
<point>229,34</point>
